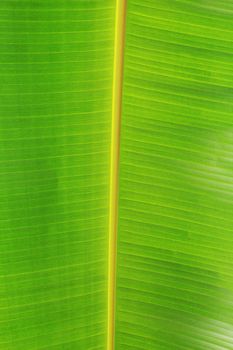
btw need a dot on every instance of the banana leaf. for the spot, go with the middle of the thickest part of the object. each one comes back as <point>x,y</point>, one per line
<point>74,72</point>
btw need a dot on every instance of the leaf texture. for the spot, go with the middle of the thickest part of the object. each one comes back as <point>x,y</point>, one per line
<point>55,103</point>
<point>175,239</point>
<point>174,280</point>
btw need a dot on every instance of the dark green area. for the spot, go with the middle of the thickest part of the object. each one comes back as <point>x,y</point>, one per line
<point>56,61</point>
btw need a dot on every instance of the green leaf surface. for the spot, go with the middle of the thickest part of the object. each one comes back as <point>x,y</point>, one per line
<point>175,239</point>
<point>56,63</point>
<point>174,270</point>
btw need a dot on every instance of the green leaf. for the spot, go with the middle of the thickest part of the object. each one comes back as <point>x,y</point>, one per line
<point>173,250</point>
<point>56,63</point>
<point>175,239</point>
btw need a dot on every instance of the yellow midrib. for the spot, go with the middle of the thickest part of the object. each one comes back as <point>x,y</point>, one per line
<point>114,163</point>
